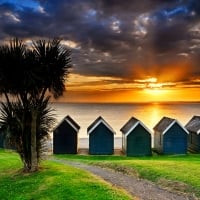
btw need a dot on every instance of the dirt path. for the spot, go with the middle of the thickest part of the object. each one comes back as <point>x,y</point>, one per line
<point>139,188</point>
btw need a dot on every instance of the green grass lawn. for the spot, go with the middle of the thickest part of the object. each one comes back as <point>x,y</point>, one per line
<point>53,181</point>
<point>173,172</point>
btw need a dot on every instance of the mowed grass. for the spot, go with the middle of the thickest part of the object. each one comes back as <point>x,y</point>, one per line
<point>174,172</point>
<point>53,181</point>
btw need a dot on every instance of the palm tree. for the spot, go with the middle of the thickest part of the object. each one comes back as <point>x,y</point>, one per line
<point>11,123</point>
<point>55,62</point>
<point>12,127</point>
<point>27,75</point>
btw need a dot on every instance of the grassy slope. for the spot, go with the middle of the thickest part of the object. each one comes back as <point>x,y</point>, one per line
<point>177,172</point>
<point>54,181</point>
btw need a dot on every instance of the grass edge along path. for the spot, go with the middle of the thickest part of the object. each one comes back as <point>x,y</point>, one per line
<point>138,187</point>
<point>177,173</point>
<point>53,181</point>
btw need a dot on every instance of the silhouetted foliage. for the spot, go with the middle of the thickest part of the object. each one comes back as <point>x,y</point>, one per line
<point>26,74</point>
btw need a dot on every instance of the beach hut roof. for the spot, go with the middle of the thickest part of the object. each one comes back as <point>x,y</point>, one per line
<point>96,123</point>
<point>165,124</point>
<point>194,125</point>
<point>71,122</point>
<point>131,125</point>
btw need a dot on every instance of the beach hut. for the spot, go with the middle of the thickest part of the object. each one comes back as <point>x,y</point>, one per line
<point>193,126</point>
<point>170,137</point>
<point>1,141</point>
<point>65,137</point>
<point>101,137</point>
<point>136,138</point>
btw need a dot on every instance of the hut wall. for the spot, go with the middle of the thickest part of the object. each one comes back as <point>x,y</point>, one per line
<point>194,142</point>
<point>101,141</point>
<point>158,141</point>
<point>65,140</point>
<point>123,143</point>
<point>175,140</point>
<point>138,142</point>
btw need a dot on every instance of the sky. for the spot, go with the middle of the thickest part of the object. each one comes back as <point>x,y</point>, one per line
<point>122,51</point>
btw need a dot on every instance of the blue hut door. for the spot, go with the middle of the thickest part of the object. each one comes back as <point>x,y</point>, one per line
<point>175,145</point>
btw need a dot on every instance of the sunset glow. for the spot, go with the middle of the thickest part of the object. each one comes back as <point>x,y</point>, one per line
<point>135,51</point>
<point>108,89</point>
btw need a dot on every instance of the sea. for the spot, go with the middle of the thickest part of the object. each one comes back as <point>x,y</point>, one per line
<point>117,114</point>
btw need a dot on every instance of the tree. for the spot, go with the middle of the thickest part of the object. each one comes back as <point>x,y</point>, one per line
<point>26,75</point>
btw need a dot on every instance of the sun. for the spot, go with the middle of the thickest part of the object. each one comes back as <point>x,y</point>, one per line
<point>155,90</point>
<point>156,94</point>
<point>152,83</point>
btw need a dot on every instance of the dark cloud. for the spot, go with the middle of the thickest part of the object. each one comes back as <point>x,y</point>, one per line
<point>113,38</point>
<point>168,38</point>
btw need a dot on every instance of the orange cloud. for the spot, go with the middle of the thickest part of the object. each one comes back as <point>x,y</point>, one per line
<point>172,84</point>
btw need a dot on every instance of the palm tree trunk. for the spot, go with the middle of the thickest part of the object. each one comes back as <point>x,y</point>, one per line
<point>34,158</point>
